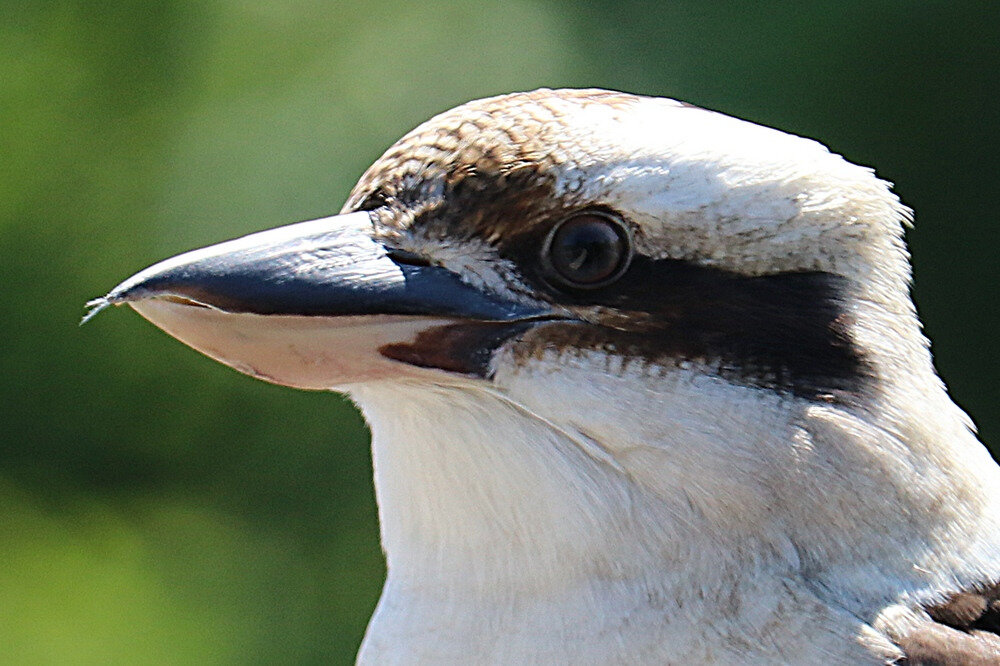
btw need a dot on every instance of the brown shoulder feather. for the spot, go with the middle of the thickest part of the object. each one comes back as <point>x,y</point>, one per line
<point>963,630</point>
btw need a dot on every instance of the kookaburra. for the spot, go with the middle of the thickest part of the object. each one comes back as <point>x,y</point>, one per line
<point>645,385</point>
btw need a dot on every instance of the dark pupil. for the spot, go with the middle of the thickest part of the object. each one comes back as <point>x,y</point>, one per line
<point>587,249</point>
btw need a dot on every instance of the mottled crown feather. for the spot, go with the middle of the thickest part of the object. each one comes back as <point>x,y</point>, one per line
<point>697,185</point>
<point>490,137</point>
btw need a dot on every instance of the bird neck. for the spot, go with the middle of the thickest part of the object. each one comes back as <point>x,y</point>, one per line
<point>491,512</point>
<point>474,493</point>
<point>497,523</point>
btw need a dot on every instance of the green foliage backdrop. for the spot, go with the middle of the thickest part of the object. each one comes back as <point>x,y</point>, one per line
<point>158,508</point>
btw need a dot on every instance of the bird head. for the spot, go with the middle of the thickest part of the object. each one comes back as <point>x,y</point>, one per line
<point>620,292</point>
<point>558,222</point>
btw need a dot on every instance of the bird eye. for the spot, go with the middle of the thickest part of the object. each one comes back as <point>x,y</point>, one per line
<point>588,250</point>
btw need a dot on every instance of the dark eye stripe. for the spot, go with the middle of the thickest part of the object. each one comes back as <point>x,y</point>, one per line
<point>786,331</point>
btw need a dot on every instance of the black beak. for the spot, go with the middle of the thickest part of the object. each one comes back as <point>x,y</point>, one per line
<point>323,304</point>
<point>327,267</point>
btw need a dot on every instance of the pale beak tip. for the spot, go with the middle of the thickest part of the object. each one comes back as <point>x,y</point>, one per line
<point>129,290</point>
<point>94,306</point>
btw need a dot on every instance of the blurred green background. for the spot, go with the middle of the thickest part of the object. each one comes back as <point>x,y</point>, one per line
<point>158,508</point>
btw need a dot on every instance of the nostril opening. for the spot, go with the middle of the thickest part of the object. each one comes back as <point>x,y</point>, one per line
<point>407,258</point>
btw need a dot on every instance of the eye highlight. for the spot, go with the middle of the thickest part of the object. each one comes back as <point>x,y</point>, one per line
<point>587,250</point>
